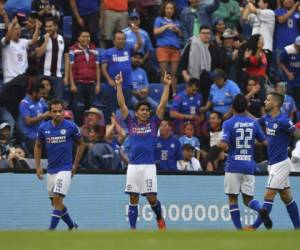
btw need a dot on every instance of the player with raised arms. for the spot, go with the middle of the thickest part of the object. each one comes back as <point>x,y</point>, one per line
<point>58,135</point>
<point>278,130</point>
<point>239,135</point>
<point>142,130</point>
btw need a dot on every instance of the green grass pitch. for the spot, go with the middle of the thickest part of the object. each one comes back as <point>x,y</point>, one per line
<point>148,240</point>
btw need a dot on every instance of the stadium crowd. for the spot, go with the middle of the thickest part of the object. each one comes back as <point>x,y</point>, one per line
<point>213,49</point>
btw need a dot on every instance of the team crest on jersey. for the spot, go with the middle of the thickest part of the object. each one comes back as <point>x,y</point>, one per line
<point>172,145</point>
<point>63,131</point>
<point>275,125</point>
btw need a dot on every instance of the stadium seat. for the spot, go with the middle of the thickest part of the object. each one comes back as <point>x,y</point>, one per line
<point>298,116</point>
<point>67,27</point>
<point>180,87</point>
<point>155,91</point>
<point>101,98</point>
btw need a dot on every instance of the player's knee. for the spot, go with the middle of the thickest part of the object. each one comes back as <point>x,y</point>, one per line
<point>58,202</point>
<point>286,197</point>
<point>152,199</point>
<point>134,199</point>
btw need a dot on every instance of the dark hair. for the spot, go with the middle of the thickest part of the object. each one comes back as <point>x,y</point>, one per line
<point>83,31</point>
<point>187,146</point>
<point>205,27</point>
<point>118,32</point>
<point>141,103</point>
<point>252,43</point>
<point>240,103</point>
<point>219,115</point>
<point>35,88</point>
<point>46,78</point>
<point>51,19</point>
<point>279,98</point>
<point>193,81</point>
<point>56,102</point>
<point>163,6</point>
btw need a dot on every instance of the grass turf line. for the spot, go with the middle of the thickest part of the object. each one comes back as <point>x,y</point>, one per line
<point>148,240</point>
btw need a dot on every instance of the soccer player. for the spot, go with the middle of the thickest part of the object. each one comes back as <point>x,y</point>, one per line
<point>278,130</point>
<point>141,172</point>
<point>59,135</point>
<point>239,134</point>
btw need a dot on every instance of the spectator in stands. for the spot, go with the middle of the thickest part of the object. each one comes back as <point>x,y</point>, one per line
<point>288,107</point>
<point>186,106</point>
<point>229,10</point>
<point>14,51</point>
<point>168,32</point>
<point>114,17</point>
<point>115,136</point>
<point>84,73</point>
<point>131,38</point>
<point>93,118</point>
<point>254,61</point>
<point>116,60</point>
<point>219,27</point>
<point>287,24</point>
<point>85,15</point>
<point>102,155</point>
<point>5,140</point>
<point>16,158</point>
<point>189,162</point>
<point>197,59</point>
<point>255,98</point>
<point>290,64</point>
<point>189,138</point>
<point>262,20</point>
<point>47,93</point>
<point>140,91</point>
<point>197,14</point>
<point>168,148</point>
<point>4,20</point>
<point>45,8</point>
<point>51,51</point>
<point>221,94</point>
<point>215,128</point>
<point>215,160</point>
<point>32,114</point>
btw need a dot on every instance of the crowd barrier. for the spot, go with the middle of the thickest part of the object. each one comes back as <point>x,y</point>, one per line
<point>97,201</point>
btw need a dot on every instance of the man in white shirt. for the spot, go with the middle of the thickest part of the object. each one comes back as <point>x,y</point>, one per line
<point>262,20</point>
<point>14,50</point>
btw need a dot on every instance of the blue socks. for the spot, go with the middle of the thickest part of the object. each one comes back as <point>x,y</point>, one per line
<point>268,204</point>
<point>56,214</point>
<point>254,204</point>
<point>235,216</point>
<point>293,211</point>
<point>66,218</point>
<point>157,210</point>
<point>132,215</point>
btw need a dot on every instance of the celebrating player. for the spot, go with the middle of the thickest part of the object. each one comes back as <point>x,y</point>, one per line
<point>278,130</point>
<point>59,136</point>
<point>239,134</point>
<point>141,172</point>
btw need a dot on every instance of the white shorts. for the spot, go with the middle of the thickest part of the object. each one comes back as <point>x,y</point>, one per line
<point>141,179</point>
<point>279,175</point>
<point>58,183</point>
<point>235,183</point>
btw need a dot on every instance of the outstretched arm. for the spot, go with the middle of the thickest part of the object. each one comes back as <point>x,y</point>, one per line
<point>167,80</point>
<point>120,95</point>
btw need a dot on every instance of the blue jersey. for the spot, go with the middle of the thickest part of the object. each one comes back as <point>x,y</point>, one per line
<point>168,37</point>
<point>278,130</point>
<point>222,98</point>
<point>30,108</point>
<point>288,107</point>
<point>142,137</point>
<point>285,33</point>
<point>167,153</point>
<point>131,40</point>
<point>291,59</point>
<point>59,142</point>
<point>185,104</point>
<point>240,132</point>
<point>119,60</point>
<point>193,141</point>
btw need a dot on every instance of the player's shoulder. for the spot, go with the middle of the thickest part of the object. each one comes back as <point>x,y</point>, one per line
<point>45,125</point>
<point>69,124</point>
